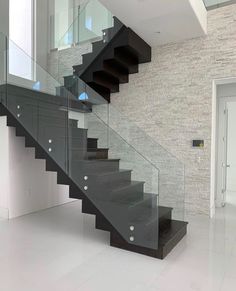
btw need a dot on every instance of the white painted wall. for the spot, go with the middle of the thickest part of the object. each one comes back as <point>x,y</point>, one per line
<point>4,171</point>
<point>25,185</point>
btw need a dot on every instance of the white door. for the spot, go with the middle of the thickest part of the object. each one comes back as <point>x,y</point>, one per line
<point>222,152</point>
<point>226,170</point>
<point>231,147</point>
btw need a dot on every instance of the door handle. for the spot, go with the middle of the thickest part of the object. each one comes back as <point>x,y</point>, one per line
<point>224,165</point>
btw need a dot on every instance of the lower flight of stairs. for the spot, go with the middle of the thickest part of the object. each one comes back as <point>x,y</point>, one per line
<point>157,220</point>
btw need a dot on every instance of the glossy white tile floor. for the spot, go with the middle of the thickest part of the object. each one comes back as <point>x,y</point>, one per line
<point>59,249</point>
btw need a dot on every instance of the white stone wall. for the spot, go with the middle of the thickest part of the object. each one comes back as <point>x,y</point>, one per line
<point>171,98</point>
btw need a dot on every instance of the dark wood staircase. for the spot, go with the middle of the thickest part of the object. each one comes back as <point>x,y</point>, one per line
<point>134,219</point>
<point>117,202</point>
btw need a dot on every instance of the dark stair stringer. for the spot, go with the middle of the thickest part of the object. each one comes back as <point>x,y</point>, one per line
<point>129,194</point>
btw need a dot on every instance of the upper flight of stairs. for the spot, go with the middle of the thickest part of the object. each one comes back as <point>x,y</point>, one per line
<point>110,64</point>
<point>127,203</point>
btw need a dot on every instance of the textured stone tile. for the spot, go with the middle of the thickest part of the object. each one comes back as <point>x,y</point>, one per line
<point>171,100</point>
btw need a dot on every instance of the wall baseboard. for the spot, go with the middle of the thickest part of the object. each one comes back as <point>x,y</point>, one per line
<point>4,213</point>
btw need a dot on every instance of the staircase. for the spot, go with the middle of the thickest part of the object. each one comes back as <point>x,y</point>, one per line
<point>110,64</point>
<point>133,217</point>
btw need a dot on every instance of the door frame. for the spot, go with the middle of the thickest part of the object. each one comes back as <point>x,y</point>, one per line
<point>215,201</point>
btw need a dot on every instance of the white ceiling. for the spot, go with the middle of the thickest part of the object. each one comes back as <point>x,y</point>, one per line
<point>176,20</point>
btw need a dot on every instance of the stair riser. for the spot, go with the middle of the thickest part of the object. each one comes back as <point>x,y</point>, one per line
<point>131,65</point>
<point>160,253</point>
<point>102,224</point>
<point>2,111</point>
<point>58,123</point>
<point>63,179</point>
<point>106,193</point>
<point>20,132</point>
<point>30,143</point>
<point>76,193</point>
<point>164,221</point>
<point>92,143</point>
<point>114,179</point>
<point>98,46</point>
<point>116,240</point>
<point>79,154</point>
<point>107,81</point>
<point>55,143</point>
<point>121,75</point>
<point>103,91</point>
<point>136,210</point>
<point>135,192</point>
<point>62,132</point>
<point>98,155</point>
<point>163,224</point>
<point>78,172</point>
<point>171,244</point>
<point>89,208</point>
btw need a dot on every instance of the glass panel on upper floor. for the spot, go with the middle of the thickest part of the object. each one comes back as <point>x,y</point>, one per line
<point>217,3</point>
<point>78,24</point>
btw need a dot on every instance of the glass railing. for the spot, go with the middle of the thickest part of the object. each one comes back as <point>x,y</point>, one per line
<point>92,31</point>
<point>76,139</point>
<point>88,22</point>
<point>217,3</point>
<point>59,23</point>
<point>171,183</point>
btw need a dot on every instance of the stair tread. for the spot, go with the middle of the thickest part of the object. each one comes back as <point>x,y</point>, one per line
<point>127,200</point>
<point>168,234</point>
<point>97,150</point>
<point>96,161</point>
